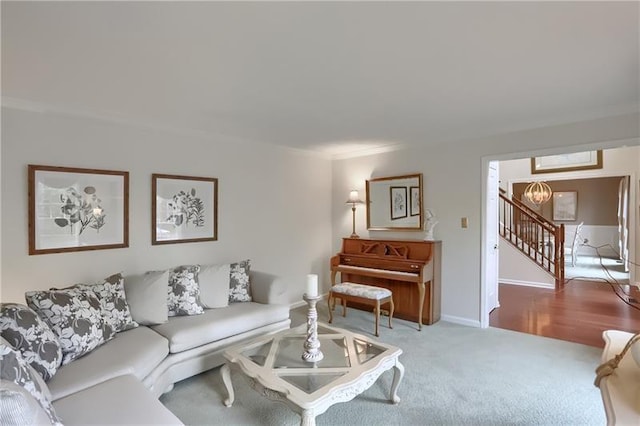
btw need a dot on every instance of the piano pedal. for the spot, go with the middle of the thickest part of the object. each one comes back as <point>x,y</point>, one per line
<point>383,312</point>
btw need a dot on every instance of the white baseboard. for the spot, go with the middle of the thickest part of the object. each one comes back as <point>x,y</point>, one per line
<point>527,283</point>
<point>460,321</point>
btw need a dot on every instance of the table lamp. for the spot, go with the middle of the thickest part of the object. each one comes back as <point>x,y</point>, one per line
<point>354,199</point>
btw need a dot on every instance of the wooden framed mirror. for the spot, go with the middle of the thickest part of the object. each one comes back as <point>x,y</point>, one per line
<point>394,203</point>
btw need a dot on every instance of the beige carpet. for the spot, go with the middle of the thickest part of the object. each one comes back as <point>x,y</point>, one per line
<point>455,375</point>
<point>593,267</point>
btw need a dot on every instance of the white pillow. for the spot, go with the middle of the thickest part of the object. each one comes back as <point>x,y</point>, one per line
<point>214,285</point>
<point>147,297</point>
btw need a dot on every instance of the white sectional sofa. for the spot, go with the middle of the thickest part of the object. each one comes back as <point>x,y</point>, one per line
<point>120,381</point>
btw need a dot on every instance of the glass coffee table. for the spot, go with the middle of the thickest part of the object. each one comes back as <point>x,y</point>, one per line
<point>275,368</point>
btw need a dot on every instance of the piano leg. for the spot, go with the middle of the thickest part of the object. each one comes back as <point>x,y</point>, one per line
<point>421,288</point>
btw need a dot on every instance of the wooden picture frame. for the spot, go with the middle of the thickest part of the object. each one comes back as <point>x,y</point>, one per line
<point>414,200</point>
<point>565,206</point>
<point>398,201</point>
<point>75,209</point>
<point>184,209</point>
<point>586,160</point>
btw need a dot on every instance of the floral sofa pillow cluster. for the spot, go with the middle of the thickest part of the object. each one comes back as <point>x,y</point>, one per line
<point>57,326</point>
<point>192,288</point>
<point>83,316</point>
<point>60,325</point>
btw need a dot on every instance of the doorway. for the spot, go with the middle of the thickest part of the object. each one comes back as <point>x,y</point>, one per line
<point>490,243</point>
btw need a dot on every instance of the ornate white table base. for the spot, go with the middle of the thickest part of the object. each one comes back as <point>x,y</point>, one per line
<point>350,380</point>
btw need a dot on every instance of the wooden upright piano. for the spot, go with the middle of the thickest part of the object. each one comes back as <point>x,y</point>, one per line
<point>409,268</point>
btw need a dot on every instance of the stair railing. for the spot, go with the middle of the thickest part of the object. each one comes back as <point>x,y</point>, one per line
<point>538,238</point>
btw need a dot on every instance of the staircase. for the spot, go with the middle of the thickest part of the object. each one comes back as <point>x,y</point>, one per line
<point>539,239</point>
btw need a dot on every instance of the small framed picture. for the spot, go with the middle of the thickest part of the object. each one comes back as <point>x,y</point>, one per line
<point>398,196</point>
<point>72,209</point>
<point>184,209</point>
<point>414,198</point>
<point>565,206</point>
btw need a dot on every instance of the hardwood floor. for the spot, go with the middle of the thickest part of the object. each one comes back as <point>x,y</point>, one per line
<point>578,313</point>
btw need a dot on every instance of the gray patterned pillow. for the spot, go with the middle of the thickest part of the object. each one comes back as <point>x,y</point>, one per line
<point>75,315</point>
<point>25,331</point>
<point>113,300</point>
<point>239,287</point>
<point>14,369</point>
<point>184,291</point>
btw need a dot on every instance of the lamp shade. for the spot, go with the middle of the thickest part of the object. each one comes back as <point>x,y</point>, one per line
<point>538,193</point>
<point>354,198</point>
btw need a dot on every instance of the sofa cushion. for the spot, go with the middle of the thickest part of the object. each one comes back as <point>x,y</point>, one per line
<point>122,400</point>
<point>239,287</point>
<point>75,316</point>
<point>147,297</point>
<point>184,291</point>
<point>137,352</point>
<point>27,332</point>
<point>14,369</point>
<point>115,309</point>
<point>214,285</point>
<point>19,407</point>
<point>185,333</point>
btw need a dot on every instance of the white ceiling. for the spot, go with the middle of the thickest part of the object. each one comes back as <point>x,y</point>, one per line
<point>332,77</point>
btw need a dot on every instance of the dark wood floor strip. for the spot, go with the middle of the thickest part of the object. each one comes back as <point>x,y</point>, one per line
<point>578,313</point>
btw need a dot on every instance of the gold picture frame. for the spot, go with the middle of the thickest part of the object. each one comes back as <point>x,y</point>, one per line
<point>586,160</point>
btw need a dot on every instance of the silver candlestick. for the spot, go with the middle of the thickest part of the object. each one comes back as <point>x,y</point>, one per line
<point>312,352</point>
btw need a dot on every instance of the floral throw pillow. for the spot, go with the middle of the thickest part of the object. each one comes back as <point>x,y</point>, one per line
<point>25,331</point>
<point>14,369</point>
<point>113,301</point>
<point>184,291</point>
<point>75,316</point>
<point>239,288</point>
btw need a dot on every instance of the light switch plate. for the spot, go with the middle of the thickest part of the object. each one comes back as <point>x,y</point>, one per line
<point>464,222</point>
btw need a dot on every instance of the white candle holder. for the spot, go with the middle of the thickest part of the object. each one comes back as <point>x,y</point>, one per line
<point>312,352</point>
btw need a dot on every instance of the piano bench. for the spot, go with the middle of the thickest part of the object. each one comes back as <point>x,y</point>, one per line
<point>363,294</point>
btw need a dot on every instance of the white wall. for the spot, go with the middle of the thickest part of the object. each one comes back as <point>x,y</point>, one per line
<point>274,203</point>
<point>453,181</point>
<point>516,268</point>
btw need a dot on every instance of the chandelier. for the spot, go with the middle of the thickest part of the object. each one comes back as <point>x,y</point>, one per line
<point>538,193</point>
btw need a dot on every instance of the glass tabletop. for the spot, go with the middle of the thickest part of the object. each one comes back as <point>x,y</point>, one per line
<point>342,351</point>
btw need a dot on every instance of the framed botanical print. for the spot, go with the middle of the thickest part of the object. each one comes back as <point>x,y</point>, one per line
<point>398,196</point>
<point>565,205</point>
<point>73,209</point>
<point>184,209</point>
<point>414,198</point>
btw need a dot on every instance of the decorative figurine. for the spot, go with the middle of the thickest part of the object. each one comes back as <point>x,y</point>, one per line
<point>430,222</point>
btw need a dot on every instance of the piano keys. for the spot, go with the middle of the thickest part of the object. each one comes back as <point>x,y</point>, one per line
<point>409,268</point>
